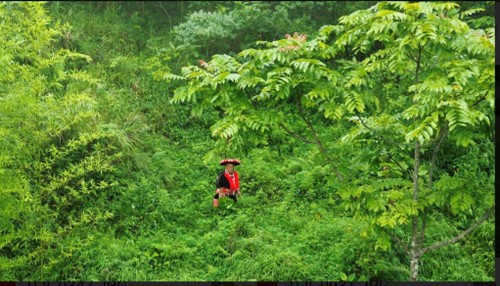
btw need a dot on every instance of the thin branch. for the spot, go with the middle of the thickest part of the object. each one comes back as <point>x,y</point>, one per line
<point>311,127</point>
<point>414,238</point>
<point>440,139</point>
<point>290,132</point>
<point>415,171</point>
<point>295,134</point>
<point>375,133</point>
<point>415,235</point>
<point>419,58</point>
<point>388,141</point>
<point>169,19</point>
<point>484,96</point>
<point>397,163</point>
<point>411,57</point>
<point>421,237</point>
<point>316,138</point>
<point>461,235</point>
<point>383,139</point>
<point>401,243</point>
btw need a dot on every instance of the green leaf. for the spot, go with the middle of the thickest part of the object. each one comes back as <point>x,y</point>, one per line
<point>461,203</point>
<point>353,101</point>
<point>383,242</point>
<point>169,77</point>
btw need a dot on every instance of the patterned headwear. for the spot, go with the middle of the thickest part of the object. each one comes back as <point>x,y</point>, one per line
<point>230,161</point>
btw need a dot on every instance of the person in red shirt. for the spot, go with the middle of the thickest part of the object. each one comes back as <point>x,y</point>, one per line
<point>228,183</point>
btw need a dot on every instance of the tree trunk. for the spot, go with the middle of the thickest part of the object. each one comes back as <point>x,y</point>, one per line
<point>417,240</point>
<point>414,258</point>
<point>415,246</point>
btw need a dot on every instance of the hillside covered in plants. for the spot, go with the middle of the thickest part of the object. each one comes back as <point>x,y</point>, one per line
<point>365,132</point>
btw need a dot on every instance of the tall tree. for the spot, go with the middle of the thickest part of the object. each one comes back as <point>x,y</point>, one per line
<point>407,77</point>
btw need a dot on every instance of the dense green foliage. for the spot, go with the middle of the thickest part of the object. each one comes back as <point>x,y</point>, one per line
<point>366,138</point>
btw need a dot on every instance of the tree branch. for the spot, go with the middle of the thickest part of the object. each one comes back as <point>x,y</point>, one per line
<point>398,241</point>
<point>169,19</point>
<point>415,247</point>
<point>461,235</point>
<point>441,136</point>
<point>414,238</point>
<point>316,138</point>
<point>419,59</point>
<point>376,135</point>
<point>484,96</point>
<point>415,171</point>
<point>421,237</point>
<point>411,57</point>
<point>311,128</point>
<point>383,139</point>
<point>295,134</point>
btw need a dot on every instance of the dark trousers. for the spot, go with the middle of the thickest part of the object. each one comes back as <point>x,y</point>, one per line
<point>231,196</point>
